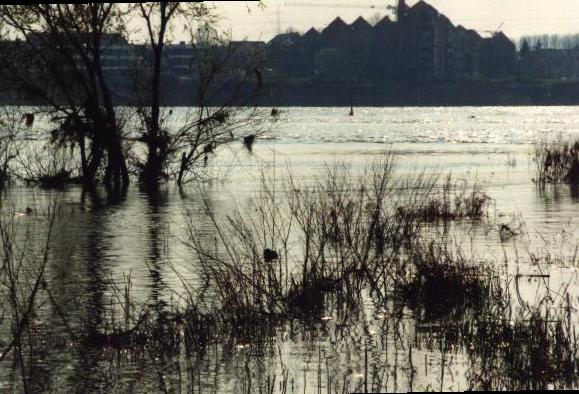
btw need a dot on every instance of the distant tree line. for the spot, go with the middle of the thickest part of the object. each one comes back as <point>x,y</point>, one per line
<point>550,41</point>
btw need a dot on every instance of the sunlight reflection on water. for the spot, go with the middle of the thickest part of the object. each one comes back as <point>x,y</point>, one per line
<point>142,235</point>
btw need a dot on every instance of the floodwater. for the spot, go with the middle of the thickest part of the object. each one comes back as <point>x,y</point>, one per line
<point>97,243</point>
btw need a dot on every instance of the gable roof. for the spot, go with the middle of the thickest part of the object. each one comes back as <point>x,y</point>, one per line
<point>474,34</point>
<point>423,6</point>
<point>310,37</point>
<point>312,33</point>
<point>360,24</point>
<point>337,25</point>
<point>385,27</point>
<point>501,36</point>
<point>383,21</point>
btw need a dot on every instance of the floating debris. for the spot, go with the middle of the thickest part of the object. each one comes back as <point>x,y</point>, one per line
<point>506,232</point>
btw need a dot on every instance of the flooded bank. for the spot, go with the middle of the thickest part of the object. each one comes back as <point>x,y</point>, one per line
<point>112,266</point>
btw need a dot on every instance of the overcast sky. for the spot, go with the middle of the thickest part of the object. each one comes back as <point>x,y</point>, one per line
<point>518,17</point>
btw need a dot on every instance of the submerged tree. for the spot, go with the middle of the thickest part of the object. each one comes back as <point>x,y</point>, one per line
<point>60,63</point>
<point>58,66</point>
<point>217,73</point>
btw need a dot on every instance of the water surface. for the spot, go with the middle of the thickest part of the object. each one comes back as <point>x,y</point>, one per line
<point>98,242</point>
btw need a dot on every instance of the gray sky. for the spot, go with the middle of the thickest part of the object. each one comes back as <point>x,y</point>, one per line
<point>519,17</point>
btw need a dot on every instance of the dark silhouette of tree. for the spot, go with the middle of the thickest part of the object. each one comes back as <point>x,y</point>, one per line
<point>225,78</point>
<point>58,66</point>
<point>551,41</point>
<point>159,18</point>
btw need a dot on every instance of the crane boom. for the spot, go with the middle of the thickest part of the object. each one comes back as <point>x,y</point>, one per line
<point>340,5</point>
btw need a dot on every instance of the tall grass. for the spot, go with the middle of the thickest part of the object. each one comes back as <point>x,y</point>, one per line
<point>556,162</point>
<point>343,235</point>
<point>332,235</point>
<point>454,200</point>
<point>444,282</point>
<point>536,349</point>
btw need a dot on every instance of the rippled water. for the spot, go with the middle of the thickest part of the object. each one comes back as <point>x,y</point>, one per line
<point>98,242</point>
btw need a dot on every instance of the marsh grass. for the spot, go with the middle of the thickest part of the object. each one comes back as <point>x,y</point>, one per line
<point>536,349</point>
<point>343,235</point>
<point>509,345</point>
<point>556,162</point>
<point>22,289</point>
<point>442,282</point>
<point>336,235</point>
<point>454,200</point>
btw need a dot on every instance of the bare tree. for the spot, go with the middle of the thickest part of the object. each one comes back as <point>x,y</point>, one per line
<point>159,18</point>
<point>58,66</point>
<point>225,77</point>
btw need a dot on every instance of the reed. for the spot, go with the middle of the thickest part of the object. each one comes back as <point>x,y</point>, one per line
<point>454,200</point>
<point>556,162</point>
<point>444,282</point>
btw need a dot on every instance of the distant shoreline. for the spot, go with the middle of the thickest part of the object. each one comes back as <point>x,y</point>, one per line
<point>479,93</point>
<point>463,94</point>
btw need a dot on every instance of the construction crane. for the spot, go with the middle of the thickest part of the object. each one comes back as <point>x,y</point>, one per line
<point>398,10</point>
<point>340,5</point>
<point>343,5</point>
<point>495,31</point>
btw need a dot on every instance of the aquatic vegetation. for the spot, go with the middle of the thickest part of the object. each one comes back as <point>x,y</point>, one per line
<point>442,282</point>
<point>347,251</point>
<point>535,349</point>
<point>22,287</point>
<point>336,248</point>
<point>306,262</point>
<point>342,234</point>
<point>453,201</point>
<point>53,171</point>
<point>556,162</point>
<point>12,133</point>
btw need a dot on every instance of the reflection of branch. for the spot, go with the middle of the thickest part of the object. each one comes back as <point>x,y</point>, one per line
<point>39,283</point>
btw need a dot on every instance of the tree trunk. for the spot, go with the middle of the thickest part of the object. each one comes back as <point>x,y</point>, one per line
<point>83,160</point>
<point>153,166</point>
<point>89,175</point>
<point>116,174</point>
<point>152,171</point>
